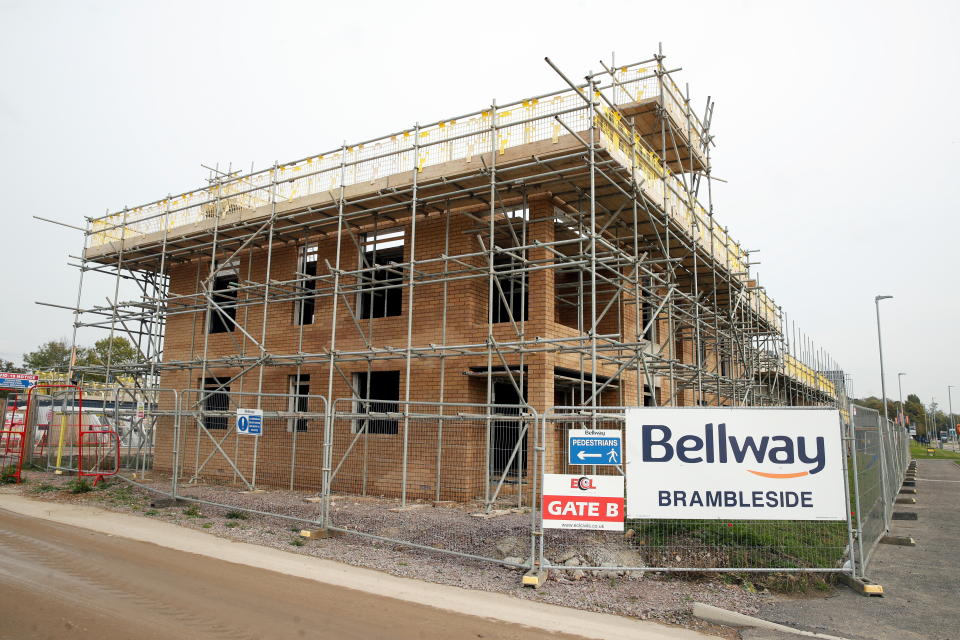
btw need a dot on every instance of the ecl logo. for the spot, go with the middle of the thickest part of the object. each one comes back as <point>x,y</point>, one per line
<point>583,483</point>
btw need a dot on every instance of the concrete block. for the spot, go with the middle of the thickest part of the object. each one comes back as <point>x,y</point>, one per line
<point>904,515</point>
<point>902,541</point>
<point>160,503</point>
<point>535,578</point>
<point>906,501</point>
<point>318,534</point>
<point>908,491</point>
<point>863,586</point>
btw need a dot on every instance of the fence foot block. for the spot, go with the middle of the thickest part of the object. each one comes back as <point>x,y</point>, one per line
<point>863,586</point>
<point>904,515</point>
<point>160,503</point>
<point>903,541</point>
<point>535,578</point>
<point>908,491</point>
<point>906,501</point>
<point>318,534</point>
<point>909,483</point>
<point>255,491</point>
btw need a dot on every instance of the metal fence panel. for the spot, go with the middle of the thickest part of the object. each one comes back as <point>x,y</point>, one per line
<point>881,455</point>
<point>450,477</point>
<point>679,545</point>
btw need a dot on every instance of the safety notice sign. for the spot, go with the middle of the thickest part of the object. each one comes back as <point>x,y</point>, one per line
<point>17,380</point>
<point>583,502</point>
<point>250,421</point>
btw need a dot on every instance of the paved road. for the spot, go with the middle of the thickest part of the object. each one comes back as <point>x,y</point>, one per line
<point>58,581</point>
<point>921,584</point>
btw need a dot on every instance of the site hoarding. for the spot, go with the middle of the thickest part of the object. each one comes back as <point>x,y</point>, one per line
<point>734,463</point>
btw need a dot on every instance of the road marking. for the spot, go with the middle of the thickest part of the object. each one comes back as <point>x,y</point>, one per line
<point>935,480</point>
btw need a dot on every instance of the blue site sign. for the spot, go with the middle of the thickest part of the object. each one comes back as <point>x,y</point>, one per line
<point>595,447</point>
<point>250,421</point>
<point>17,380</point>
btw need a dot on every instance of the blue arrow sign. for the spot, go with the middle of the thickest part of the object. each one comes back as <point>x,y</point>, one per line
<point>594,447</point>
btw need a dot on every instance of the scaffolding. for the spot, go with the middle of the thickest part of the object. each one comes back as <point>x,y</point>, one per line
<point>557,250</point>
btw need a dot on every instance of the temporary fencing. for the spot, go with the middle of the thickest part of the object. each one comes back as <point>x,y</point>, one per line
<point>680,545</point>
<point>462,479</point>
<point>881,455</point>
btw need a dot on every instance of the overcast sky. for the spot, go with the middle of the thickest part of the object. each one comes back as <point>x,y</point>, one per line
<point>836,127</point>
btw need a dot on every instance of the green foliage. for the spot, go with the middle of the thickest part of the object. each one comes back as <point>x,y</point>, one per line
<point>926,419</point>
<point>91,362</point>
<point>81,485</point>
<point>50,356</point>
<point>232,524</point>
<point>235,514</point>
<point>920,451</point>
<point>192,511</point>
<point>297,542</point>
<point>772,543</point>
<point>116,351</point>
<point>8,475</point>
<point>44,487</point>
<point>8,367</point>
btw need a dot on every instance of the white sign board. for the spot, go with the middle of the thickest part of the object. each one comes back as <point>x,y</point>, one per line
<point>582,502</point>
<point>730,463</point>
<point>250,421</point>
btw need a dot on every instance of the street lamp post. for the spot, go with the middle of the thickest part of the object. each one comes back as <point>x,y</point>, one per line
<point>883,380</point>
<point>886,419</point>
<point>953,425</point>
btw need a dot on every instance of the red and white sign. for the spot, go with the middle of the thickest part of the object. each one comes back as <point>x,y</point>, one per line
<point>582,502</point>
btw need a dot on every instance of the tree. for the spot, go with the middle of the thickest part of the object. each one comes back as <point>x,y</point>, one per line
<point>51,356</point>
<point>117,352</point>
<point>8,367</point>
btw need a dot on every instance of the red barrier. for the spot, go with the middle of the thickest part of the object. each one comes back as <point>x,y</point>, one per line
<point>101,446</point>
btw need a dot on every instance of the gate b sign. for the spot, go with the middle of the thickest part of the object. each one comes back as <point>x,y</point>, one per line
<point>582,502</point>
<point>734,463</point>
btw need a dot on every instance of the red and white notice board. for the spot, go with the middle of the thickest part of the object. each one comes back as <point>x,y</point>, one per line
<point>583,502</point>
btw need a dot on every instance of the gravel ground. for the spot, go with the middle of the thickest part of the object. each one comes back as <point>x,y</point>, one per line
<point>654,596</point>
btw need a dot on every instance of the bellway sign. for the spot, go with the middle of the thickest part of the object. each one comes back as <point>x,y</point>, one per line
<point>733,463</point>
<point>582,502</point>
<point>594,446</point>
<point>250,421</point>
<point>17,380</point>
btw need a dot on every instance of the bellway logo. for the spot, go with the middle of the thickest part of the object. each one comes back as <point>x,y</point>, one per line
<point>717,445</point>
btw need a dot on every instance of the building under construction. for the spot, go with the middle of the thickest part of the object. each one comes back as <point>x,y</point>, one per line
<point>560,250</point>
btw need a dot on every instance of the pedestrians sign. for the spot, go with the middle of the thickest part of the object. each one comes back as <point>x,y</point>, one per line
<point>594,447</point>
<point>250,421</point>
<point>17,380</point>
<point>582,502</point>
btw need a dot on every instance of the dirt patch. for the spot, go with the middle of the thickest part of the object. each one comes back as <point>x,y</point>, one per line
<point>666,598</point>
